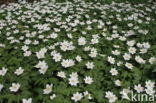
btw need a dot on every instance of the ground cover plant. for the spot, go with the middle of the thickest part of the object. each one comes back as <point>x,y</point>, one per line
<point>84,52</point>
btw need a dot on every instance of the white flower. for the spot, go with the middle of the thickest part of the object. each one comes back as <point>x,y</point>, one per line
<point>48,89</point>
<point>73,81</point>
<point>132,50</point>
<point>77,96</point>
<point>124,94</point>
<point>150,91</point>
<point>129,65</point>
<point>41,64</point>
<point>96,36</point>
<point>139,45</point>
<point>116,46</point>
<point>53,35</point>
<point>111,60</point>
<point>57,57</point>
<point>73,75</point>
<point>139,88</point>
<point>131,43</point>
<point>41,53</point>
<point>53,52</point>
<point>27,53</point>
<point>43,70</point>
<point>94,41</point>
<point>142,51</point>
<point>43,67</point>
<point>146,45</point>
<point>113,71</point>
<point>83,32</point>
<point>86,93</point>
<point>61,74</point>
<point>27,41</point>
<point>90,65</point>
<point>2,45</point>
<point>66,45</point>
<point>116,52</point>
<point>118,83</point>
<point>139,60</point>
<point>35,42</point>
<point>78,58</point>
<point>89,96</point>
<point>115,35</point>
<point>19,71</point>
<point>69,36</point>
<point>130,25</point>
<point>27,100</point>
<point>15,87</point>
<point>1,87</point>
<point>88,80</point>
<point>67,63</point>
<point>119,63</point>
<point>43,50</point>
<point>127,56</point>
<point>52,96</point>
<point>93,53</point>
<point>87,48</point>
<point>108,94</point>
<point>149,84</point>
<point>152,60</point>
<point>3,71</point>
<point>112,98</point>
<point>122,38</point>
<point>81,41</point>
<point>25,48</point>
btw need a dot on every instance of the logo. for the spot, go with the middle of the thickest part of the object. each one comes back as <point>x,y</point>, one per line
<point>134,97</point>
